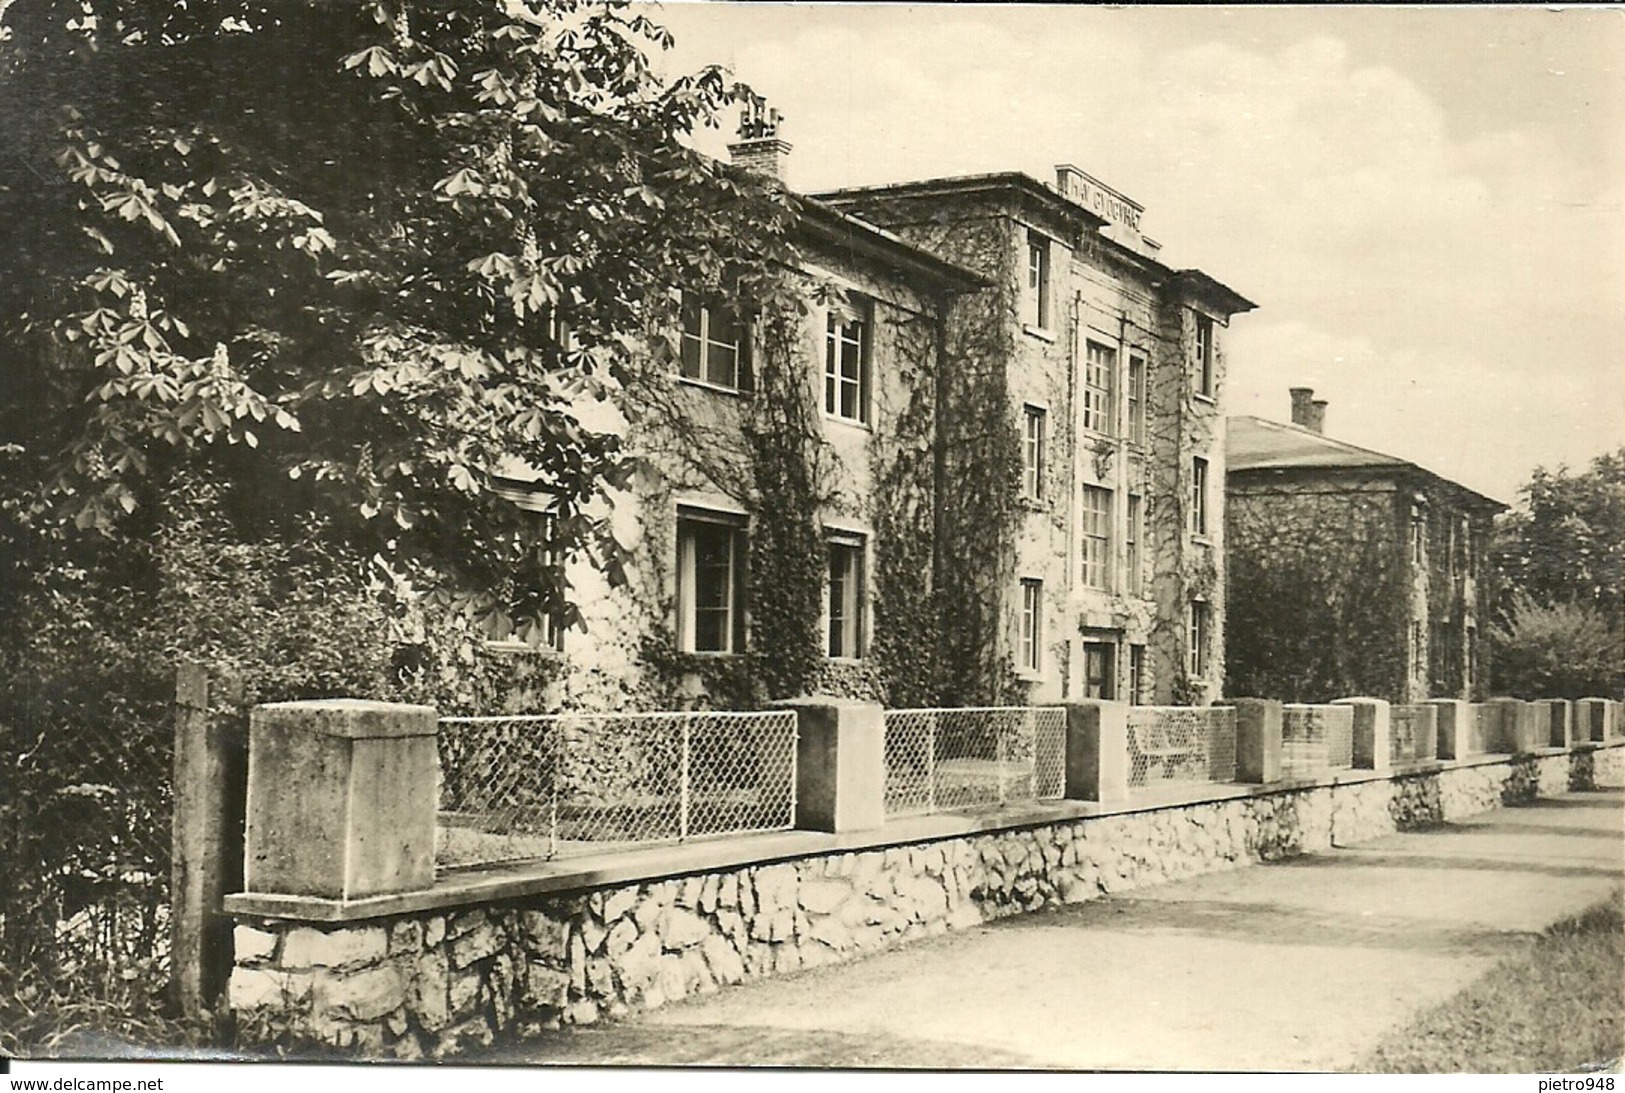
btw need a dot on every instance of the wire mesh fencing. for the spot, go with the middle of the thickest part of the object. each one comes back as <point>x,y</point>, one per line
<point>1316,739</point>
<point>1413,735</point>
<point>1181,745</point>
<point>550,786</point>
<point>1340,737</point>
<point>939,760</point>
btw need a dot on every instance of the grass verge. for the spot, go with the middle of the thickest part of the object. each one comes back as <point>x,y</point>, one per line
<point>1559,1006</point>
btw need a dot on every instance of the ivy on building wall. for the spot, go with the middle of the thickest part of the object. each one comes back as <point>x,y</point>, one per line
<point>980,496</point>
<point>789,471</point>
<point>907,649</point>
<point>1318,599</point>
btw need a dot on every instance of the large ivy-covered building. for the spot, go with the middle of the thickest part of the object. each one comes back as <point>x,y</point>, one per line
<point>1000,414</point>
<point>1096,373</point>
<point>781,530</point>
<point>1351,572</point>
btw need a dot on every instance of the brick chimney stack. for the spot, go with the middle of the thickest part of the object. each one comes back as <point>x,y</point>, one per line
<point>1308,412</point>
<point>1301,397</point>
<point>759,148</point>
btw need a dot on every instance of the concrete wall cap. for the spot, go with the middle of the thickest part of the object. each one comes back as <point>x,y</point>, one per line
<point>351,718</point>
<point>1357,699</point>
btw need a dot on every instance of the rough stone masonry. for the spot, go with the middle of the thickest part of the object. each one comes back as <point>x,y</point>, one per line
<point>431,983</point>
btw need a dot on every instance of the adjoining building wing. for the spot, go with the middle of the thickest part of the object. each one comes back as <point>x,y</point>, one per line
<point>1352,572</point>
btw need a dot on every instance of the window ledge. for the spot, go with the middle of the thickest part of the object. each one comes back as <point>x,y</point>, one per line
<point>1211,400</point>
<point>1027,675</point>
<point>843,660</point>
<point>850,423</point>
<point>705,385</point>
<point>1203,540</point>
<point>1039,332</point>
<point>1036,504</point>
<point>513,648</point>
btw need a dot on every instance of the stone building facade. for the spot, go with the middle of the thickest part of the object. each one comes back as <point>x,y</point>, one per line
<point>851,405</point>
<point>1351,572</point>
<point>1106,367</point>
<point>1016,447</point>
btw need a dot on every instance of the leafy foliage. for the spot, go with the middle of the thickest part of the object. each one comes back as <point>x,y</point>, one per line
<point>286,286</point>
<point>1317,605</point>
<point>787,544</point>
<point>1560,562</point>
<point>1560,650</point>
<point>1565,543</point>
<point>423,261</point>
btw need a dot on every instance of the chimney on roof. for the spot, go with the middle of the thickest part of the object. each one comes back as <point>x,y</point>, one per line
<point>759,148</point>
<point>1308,412</point>
<point>1301,409</point>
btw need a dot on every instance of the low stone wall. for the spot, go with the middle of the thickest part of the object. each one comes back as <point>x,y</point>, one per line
<point>433,982</point>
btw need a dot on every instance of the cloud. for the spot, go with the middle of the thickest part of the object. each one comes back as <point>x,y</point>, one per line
<point>1468,278</point>
<point>1446,411</point>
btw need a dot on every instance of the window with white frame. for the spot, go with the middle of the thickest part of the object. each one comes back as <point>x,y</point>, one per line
<point>1200,626</point>
<point>1099,384</point>
<point>1031,652</point>
<point>846,364</point>
<point>846,596</point>
<point>711,582</point>
<point>1136,675</point>
<point>1204,355</point>
<point>1198,496</point>
<point>1134,529</point>
<point>715,345</point>
<point>1036,311</point>
<point>1418,535</point>
<point>1097,537</point>
<point>1033,423</point>
<point>1136,399</point>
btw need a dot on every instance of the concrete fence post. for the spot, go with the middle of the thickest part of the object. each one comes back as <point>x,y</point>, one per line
<point>1373,732</point>
<point>840,764</point>
<point>1616,718</point>
<point>209,781</point>
<point>1591,720</point>
<point>1562,725</point>
<point>341,799</point>
<point>1097,761</point>
<point>1454,722</point>
<point>1258,740</point>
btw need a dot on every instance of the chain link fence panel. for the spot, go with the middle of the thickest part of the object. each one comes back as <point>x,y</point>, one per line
<point>942,760</point>
<point>516,788</point>
<point>1412,734</point>
<point>1181,745</point>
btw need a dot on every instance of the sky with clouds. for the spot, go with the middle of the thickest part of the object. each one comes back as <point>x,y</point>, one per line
<point>1428,205</point>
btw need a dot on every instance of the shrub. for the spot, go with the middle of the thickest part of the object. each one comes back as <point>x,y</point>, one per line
<point>1558,650</point>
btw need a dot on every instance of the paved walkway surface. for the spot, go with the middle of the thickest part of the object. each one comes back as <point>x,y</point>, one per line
<point>1300,965</point>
